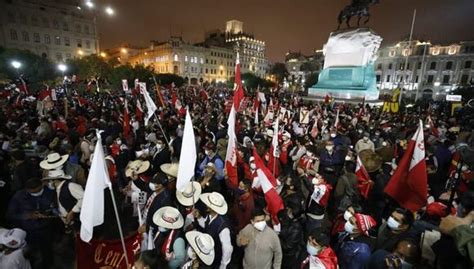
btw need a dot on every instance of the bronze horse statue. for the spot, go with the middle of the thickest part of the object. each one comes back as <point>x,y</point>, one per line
<point>358,8</point>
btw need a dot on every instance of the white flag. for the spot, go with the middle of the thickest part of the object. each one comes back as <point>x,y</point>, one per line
<point>150,105</point>
<point>275,137</point>
<point>125,85</point>
<point>256,116</point>
<point>187,161</point>
<point>92,211</point>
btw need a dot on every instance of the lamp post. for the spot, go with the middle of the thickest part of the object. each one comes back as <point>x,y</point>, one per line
<point>108,10</point>
<point>16,65</point>
<point>63,68</point>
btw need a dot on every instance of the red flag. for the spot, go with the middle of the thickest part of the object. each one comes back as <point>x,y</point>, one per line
<point>238,88</point>
<point>268,183</point>
<point>408,185</point>
<point>363,179</point>
<point>126,120</point>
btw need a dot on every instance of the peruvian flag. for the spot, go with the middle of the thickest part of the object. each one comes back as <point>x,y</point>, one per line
<point>408,185</point>
<point>363,179</point>
<point>238,88</point>
<point>231,154</point>
<point>268,183</point>
<point>139,111</point>
<point>126,120</point>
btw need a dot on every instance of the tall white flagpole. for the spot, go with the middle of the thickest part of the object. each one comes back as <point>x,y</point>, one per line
<point>406,59</point>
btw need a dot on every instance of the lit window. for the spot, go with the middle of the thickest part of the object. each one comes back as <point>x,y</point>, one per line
<point>175,58</point>
<point>186,58</point>
<point>452,50</point>
<point>435,51</point>
<point>406,52</point>
<point>392,53</point>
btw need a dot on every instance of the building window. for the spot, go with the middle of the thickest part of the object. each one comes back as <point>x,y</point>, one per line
<point>59,57</point>
<point>45,22</point>
<point>47,39</point>
<point>22,19</point>
<point>379,67</point>
<point>432,65</point>
<point>78,28</point>
<point>185,58</point>
<point>468,64</point>
<point>377,78</point>
<point>88,44</point>
<point>66,41</point>
<point>417,79</point>
<point>34,21</point>
<point>13,35</point>
<point>11,17</point>
<point>55,24</point>
<point>418,66</point>
<point>390,66</point>
<point>430,79</point>
<point>57,40</point>
<point>65,26</point>
<point>79,43</point>
<point>25,36</point>
<point>449,65</point>
<point>464,79</point>
<point>86,29</point>
<point>36,38</point>
<point>175,58</point>
<point>388,78</point>
<point>446,79</point>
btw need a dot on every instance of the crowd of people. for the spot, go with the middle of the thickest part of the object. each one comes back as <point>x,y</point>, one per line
<point>329,218</point>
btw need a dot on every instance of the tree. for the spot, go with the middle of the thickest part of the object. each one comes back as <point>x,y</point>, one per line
<point>466,92</point>
<point>308,67</point>
<point>252,82</point>
<point>34,68</point>
<point>280,71</point>
<point>311,80</point>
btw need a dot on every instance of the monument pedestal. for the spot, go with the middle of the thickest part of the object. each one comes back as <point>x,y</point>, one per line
<point>349,66</point>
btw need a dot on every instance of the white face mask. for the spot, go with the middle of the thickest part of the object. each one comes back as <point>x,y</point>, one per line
<point>191,254</point>
<point>348,158</point>
<point>348,227</point>
<point>333,135</point>
<point>464,168</point>
<point>119,142</point>
<point>309,154</point>
<point>51,185</point>
<point>162,229</point>
<point>253,166</point>
<point>207,152</point>
<point>260,225</point>
<point>159,146</point>
<point>329,148</point>
<point>152,186</point>
<point>393,224</point>
<point>37,194</point>
<point>347,215</point>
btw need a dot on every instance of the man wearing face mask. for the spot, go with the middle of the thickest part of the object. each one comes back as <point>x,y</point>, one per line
<point>291,235</point>
<point>396,228</point>
<point>161,156</point>
<point>243,205</point>
<point>331,161</point>
<point>158,197</point>
<point>317,202</point>
<point>364,143</point>
<point>321,255</point>
<point>32,209</point>
<point>212,157</point>
<point>262,245</point>
<point>354,245</point>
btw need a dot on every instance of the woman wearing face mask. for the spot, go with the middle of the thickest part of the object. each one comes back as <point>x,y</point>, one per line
<point>320,254</point>
<point>354,246</point>
<point>261,243</point>
<point>169,239</point>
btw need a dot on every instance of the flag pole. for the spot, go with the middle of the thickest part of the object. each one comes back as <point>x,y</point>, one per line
<point>161,128</point>
<point>119,227</point>
<point>406,59</point>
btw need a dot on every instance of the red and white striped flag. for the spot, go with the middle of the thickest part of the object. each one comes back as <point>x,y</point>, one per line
<point>231,154</point>
<point>268,183</point>
<point>363,179</point>
<point>238,88</point>
<point>409,184</point>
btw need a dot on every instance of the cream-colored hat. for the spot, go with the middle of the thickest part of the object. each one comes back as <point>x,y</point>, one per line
<point>203,246</point>
<point>215,201</point>
<point>137,166</point>
<point>53,161</point>
<point>171,169</point>
<point>168,217</point>
<point>190,195</point>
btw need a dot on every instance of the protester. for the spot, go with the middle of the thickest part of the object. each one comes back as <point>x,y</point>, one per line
<point>13,247</point>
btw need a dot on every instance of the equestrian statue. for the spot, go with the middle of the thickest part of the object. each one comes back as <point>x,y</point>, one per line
<point>358,8</point>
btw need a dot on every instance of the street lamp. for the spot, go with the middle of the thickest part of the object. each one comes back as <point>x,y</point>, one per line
<point>109,11</point>
<point>62,68</point>
<point>16,64</point>
<point>89,4</point>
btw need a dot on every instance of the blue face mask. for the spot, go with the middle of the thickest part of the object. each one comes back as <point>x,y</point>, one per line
<point>312,250</point>
<point>240,191</point>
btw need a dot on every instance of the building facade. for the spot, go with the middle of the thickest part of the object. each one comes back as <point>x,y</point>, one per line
<point>300,66</point>
<point>195,63</point>
<point>431,70</point>
<point>251,50</point>
<point>58,30</point>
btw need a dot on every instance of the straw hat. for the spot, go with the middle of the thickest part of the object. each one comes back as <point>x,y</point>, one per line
<point>171,169</point>
<point>190,194</point>
<point>137,166</point>
<point>14,238</point>
<point>53,161</point>
<point>215,201</point>
<point>168,217</point>
<point>56,174</point>
<point>203,245</point>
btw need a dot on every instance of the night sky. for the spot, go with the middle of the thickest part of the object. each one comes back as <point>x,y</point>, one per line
<point>296,25</point>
